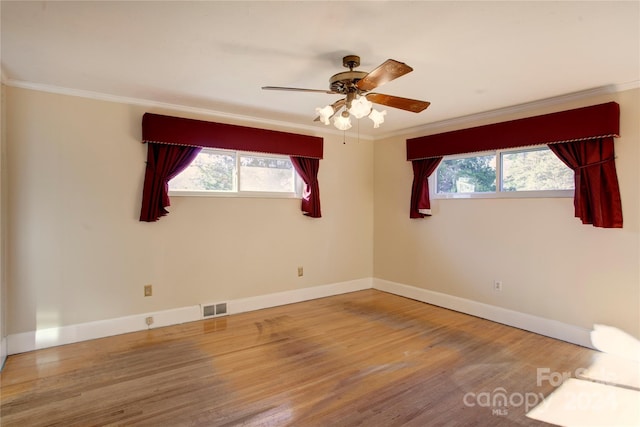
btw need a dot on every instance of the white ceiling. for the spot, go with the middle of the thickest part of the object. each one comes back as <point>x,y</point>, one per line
<point>468,57</point>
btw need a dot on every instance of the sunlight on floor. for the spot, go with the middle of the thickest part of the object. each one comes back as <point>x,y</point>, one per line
<point>605,394</point>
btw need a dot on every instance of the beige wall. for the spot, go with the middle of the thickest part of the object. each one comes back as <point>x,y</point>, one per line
<point>78,252</point>
<point>551,265</point>
<point>3,230</point>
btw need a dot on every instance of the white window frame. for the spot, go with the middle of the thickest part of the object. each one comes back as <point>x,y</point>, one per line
<point>499,193</point>
<point>298,183</point>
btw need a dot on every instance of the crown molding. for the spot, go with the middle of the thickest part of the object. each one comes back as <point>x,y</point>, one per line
<point>314,130</point>
<point>175,107</point>
<point>621,87</point>
<point>519,108</point>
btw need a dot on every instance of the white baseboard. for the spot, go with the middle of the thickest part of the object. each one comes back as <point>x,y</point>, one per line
<point>50,337</point>
<point>528,322</point>
<point>3,351</point>
<point>43,338</point>
<point>297,295</point>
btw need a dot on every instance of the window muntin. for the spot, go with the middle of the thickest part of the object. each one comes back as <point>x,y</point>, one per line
<point>236,173</point>
<point>532,172</point>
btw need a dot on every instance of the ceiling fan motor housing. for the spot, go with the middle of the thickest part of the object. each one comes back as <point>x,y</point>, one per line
<point>345,82</point>
<point>342,82</point>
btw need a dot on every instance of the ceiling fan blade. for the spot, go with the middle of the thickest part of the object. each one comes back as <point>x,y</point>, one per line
<point>407,104</point>
<point>387,71</point>
<point>336,106</point>
<point>297,89</point>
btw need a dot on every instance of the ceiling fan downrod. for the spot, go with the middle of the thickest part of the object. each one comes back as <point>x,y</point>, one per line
<point>351,62</point>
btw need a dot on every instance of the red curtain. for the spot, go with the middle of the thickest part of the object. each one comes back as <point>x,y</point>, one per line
<point>597,195</point>
<point>167,131</point>
<point>596,121</point>
<point>582,138</point>
<point>198,133</point>
<point>307,168</point>
<point>163,163</point>
<point>420,203</point>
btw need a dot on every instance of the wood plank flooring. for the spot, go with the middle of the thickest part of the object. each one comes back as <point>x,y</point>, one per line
<point>364,358</point>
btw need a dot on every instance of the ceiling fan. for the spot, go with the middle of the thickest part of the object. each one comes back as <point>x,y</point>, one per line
<point>355,86</point>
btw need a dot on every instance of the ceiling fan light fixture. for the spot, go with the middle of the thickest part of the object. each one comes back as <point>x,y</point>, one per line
<point>360,107</point>
<point>355,87</point>
<point>377,117</point>
<point>342,122</point>
<point>325,113</point>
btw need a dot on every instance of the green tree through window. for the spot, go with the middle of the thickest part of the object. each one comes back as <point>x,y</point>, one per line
<point>235,172</point>
<point>467,175</point>
<point>531,169</point>
<point>535,170</point>
<point>216,171</point>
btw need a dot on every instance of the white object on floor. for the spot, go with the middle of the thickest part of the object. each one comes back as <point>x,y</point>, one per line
<point>586,403</point>
<point>614,370</point>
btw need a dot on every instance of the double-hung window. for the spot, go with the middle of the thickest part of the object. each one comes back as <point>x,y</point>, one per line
<point>530,172</point>
<point>217,172</point>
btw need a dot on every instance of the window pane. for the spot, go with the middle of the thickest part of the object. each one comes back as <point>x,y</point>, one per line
<point>467,175</point>
<point>269,174</point>
<point>535,170</point>
<point>210,171</point>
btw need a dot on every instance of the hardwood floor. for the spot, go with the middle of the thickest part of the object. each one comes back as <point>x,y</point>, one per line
<point>363,358</point>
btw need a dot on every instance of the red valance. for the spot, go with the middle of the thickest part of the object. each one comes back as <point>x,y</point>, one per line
<point>596,121</point>
<point>157,128</point>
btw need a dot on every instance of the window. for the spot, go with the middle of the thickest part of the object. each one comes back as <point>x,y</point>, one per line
<point>237,173</point>
<point>475,174</point>
<point>534,172</point>
<point>272,174</point>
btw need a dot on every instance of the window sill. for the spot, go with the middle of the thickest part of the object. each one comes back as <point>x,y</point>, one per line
<point>507,195</point>
<point>233,194</point>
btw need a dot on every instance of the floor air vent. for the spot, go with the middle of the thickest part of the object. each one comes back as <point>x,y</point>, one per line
<point>214,310</point>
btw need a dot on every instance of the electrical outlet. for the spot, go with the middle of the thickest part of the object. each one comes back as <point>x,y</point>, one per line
<point>148,290</point>
<point>149,320</point>
<point>497,285</point>
<point>300,272</point>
